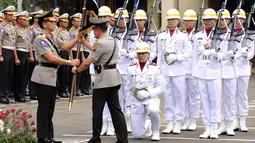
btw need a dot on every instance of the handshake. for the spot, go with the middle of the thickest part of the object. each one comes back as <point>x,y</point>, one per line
<point>143,94</point>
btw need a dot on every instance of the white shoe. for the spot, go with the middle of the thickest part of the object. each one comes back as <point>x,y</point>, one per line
<point>235,123</point>
<point>104,128</point>
<point>169,128</point>
<point>186,124</point>
<point>155,136</point>
<point>193,124</point>
<point>213,133</point>
<point>222,128</point>
<point>206,134</point>
<point>177,127</point>
<point>243,127</point>
<point>148,128</point>
<point>229,128</point>
<point>110,131</point>
<point>128,123</point>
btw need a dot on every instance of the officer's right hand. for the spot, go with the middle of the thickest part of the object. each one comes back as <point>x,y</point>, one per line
<point>75,62</point>
<point>1,59</point>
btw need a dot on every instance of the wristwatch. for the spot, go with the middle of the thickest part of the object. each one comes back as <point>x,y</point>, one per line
<point>69,62</point>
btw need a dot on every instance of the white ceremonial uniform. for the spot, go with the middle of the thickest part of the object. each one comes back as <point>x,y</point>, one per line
<point>152,80</point>
<point>208,71</point>
<point>174,74</point>
<point>244,73</point>
<point>192,104</point>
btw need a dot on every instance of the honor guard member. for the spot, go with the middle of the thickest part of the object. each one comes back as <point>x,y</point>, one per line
<point>173,49</point>
<point>192,101</point>
<point>34,30</point>
<point>140,20</point>
<point>7,45</point>
<point>107,81</point>
<point>229,76</point>
<point>244,50</point>
<point>63,71</point>
<point>207,70</point>
<point>1,18</point>
<point>105,13</point>
<point>123,63</point>
<point>73,32</point>
<point>22,56</point>
<point>145,82</point>
<point>45,74</point>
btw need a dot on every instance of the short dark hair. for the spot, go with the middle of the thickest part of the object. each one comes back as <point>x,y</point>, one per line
<point>103,27</point>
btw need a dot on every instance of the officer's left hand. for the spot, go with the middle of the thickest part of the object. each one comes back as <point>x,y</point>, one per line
<point>143,94</point>
<point>244,51</point>
<point>17,61</point>
<point>74,69</point>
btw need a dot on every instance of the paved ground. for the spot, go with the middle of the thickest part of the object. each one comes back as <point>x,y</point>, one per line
<point>75,126</point>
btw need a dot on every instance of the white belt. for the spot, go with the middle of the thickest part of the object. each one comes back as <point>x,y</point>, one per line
<point>23,50</point>
<point>8,47</point>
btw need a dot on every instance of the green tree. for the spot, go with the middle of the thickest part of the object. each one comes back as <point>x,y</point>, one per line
<point>5,3</point>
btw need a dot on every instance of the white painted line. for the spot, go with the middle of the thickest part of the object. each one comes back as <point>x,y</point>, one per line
<point>250,128</point>
<point>167,138</point>
<point>253,101</point>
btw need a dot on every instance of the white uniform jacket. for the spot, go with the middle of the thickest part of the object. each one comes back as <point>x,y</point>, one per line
<point>150,78</point>
<point>188,63</point>
<point>177,43</point>
<point>206,67</point>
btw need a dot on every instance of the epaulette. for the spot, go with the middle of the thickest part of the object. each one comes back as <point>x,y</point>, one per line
<point>133,64</point>
<point>15,27</point>
<point>4,23</point>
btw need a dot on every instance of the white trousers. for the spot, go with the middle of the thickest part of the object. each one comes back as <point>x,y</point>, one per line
<point>241,96</point>
<point>192,98</point>
<point>210,92</point>
<point>122,95</point>
<point>174,98</point>
<point>138,120</point>
<point>106,113</point>
<point>228,99</point>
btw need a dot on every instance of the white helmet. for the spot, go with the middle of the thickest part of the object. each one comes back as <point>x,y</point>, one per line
<point>172,14</point>
<point>104,11</point>
<point>225,14</point>
<point>240,15</point>
<point>142,47</point>
<point>124,14</point>
<point>140,14</point>
<point>190,15</point>
<point>209,14</point>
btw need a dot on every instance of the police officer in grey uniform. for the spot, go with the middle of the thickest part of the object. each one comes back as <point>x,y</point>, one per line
<point>34,30</point>
<point>107,81</point>
<point>45,74</point>
<point>7,43</point>
<point>23,54</point>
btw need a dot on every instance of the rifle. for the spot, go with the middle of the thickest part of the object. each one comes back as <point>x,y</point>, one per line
<point>233,33</point>
<point>116,29</point>
<point>199,17</point>
<point>147,33</point>
<point>84,31</point>
<point>216,31</point>
<point>129,30</point>
<point>248,32</point>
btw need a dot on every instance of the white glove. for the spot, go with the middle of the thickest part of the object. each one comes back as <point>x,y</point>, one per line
<point>143,94</point>
<point>171,58</point>
<point>213,53</point>
<point>206,52</point>
<point>244,51</point>
<point>201,48</point>
<point>123,52</point>
<point>132,55</point>
<point>128,112</point>
<point>231,53</point>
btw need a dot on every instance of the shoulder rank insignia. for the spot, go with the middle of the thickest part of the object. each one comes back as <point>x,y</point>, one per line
<point>95,45</point>
<point>43,35</point>
<point>133,64</point>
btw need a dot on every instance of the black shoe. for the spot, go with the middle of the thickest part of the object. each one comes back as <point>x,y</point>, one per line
<point>33,97</point>
<point>21,100</point>
<point>63,95</point>
<point>53,141</point>
<point>57,97</point>
<point>4,101</point>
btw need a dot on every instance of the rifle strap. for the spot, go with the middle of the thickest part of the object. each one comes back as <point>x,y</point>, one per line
<point>114,49</point>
